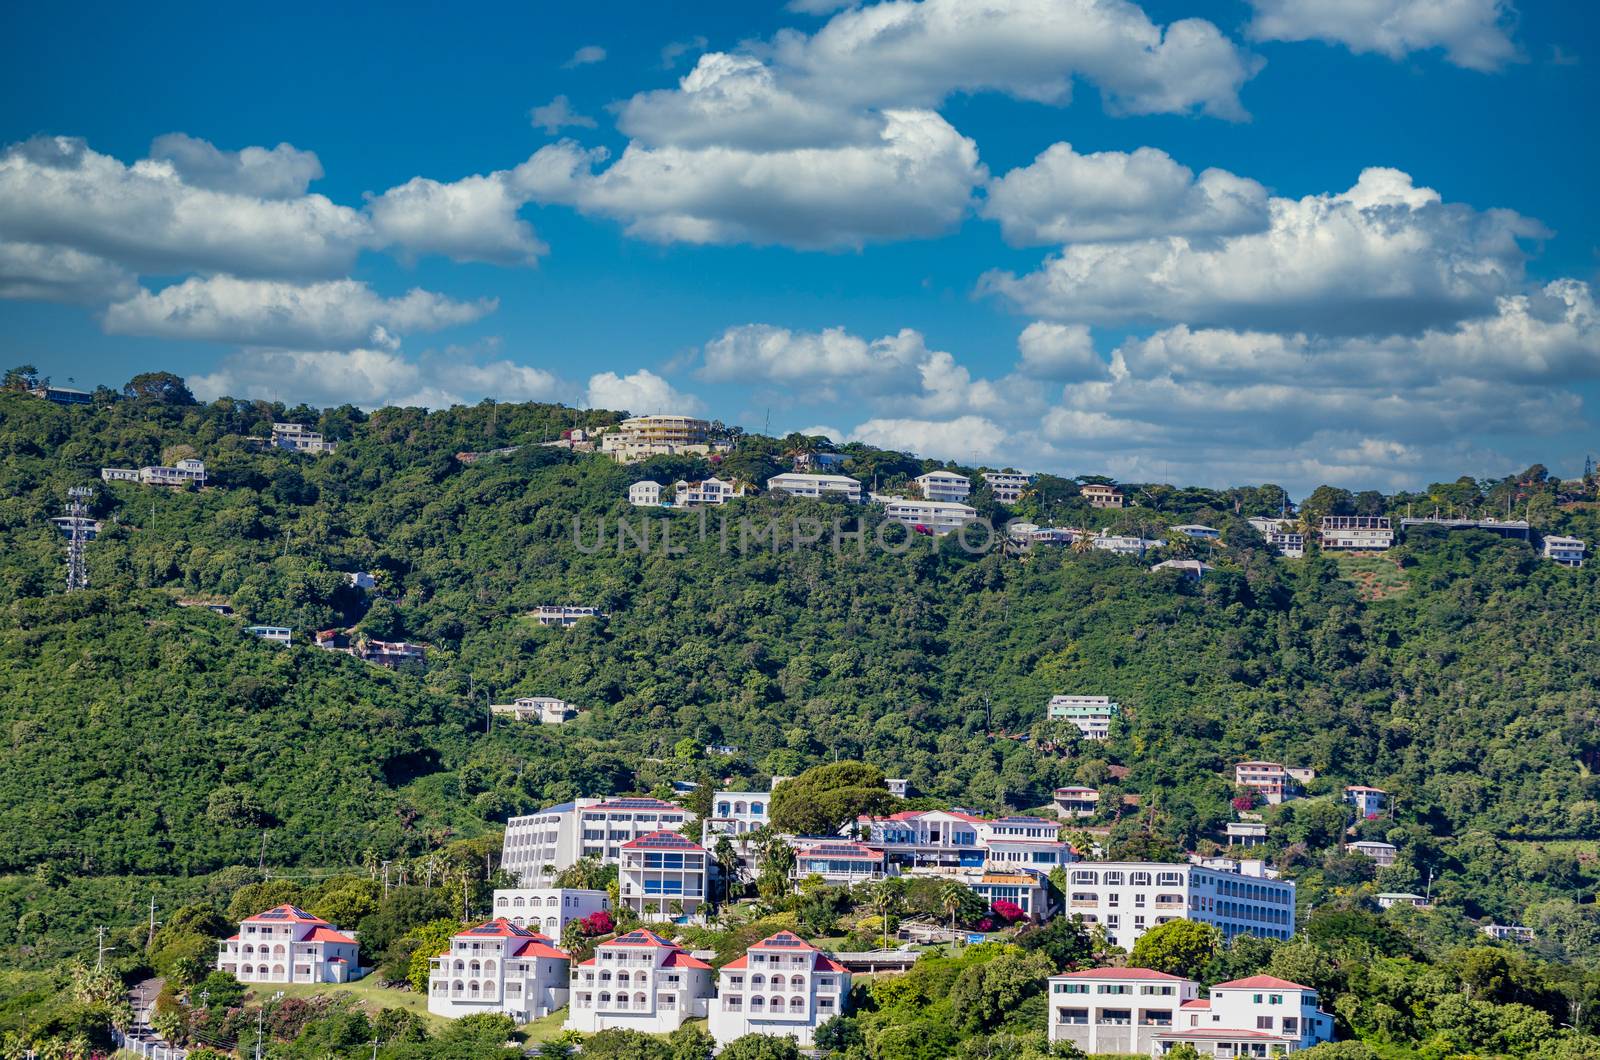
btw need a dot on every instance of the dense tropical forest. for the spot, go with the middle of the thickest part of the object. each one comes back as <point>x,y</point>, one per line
<point>157,751</point>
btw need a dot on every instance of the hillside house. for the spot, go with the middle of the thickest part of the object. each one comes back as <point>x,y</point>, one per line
<point>286,944</point>
<point>782,986</point>
<point>638,981</point>
<point>499,967</point>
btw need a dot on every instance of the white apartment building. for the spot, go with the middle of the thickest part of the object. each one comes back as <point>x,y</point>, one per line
<point>557,836</point>
<point>1116,1010</point>
<point>783,986</point>
<point>944,486</point>
<point>663,876</point>
<point>299,438</point>
<point>360,579</point>
<point>735,813</point>
<point>1034,534</point>
<point>546,710</point>
<point>642,437</point>
<point>1567,551</point>
<point>1101,496</point>
<point>1245,833</point>
<point>839,862</point>
<point>817,487</point>
<point>276,634</point>
<point>1027,889</point>
<point>939,841</point>
<point>499,967</point>
<point>286,944</point>
<point>184,473</point>
<point>1280,535</point>
<point>1022,842</point>
<point>1368,533</point>
<point>565,617</point>
<point>1390,899</point>
<point>641,982</point>
<point>1077,801</point>
<point>1508,932</point>
<point>1130,898</point>
<point>1091,714</point>
<point>1199,532</point>
<point>939,517</point>
<point>645,493</point>
<point>1369,802</point>
<point>1008,486</point>
<point>1256,1017</point>
<point>707,491</point>
<point>548,909</point>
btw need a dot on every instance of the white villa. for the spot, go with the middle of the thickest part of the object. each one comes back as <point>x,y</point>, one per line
<point>1199,532</point>
<point>1101,496</point>
<point>939,517</point>
<point>1124,544</point>
<point>1115,1010</point>
<point>645,493</point>
<point>184,473</point>
<point>944,486</point>
<point>499,967</point>
<point>1091,714</point>
<point>1256,1017</point>
<point>839,861</point>
<point>1130,898</point>
<point>563,616</point>
<point>300,439</point>
<point>734,813</point>
<point>1384,854</point>
<point>276,634</point>
<point>557,836</point>
<point>1567,551</point>
<point>546,710</point>
<point>1370,533</point>
<point>663,876</point>
<point>1369,802</point>
<point>1008,486</point>
<point>783,986</point>
<point>1280,535</point>
<point>639,981</point>
<point>817,487</point>
<point>1077,801</point>
<point>548,909</point>
<point>708,491</point>
<point>286,944</point>
<point>642,437</point>
<point>1192,569</point>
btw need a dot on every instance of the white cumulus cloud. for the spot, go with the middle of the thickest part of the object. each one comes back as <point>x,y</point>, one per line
<point>371,378</point>
<point>586,56</point>
<point>282,172</point>
<point>641,393</point>
<point>1066,197</point>
<point>42,273</point>
<point>471,219</point>
<point>1475,34</point>
<point>1062,352</point>
<point>270,312</point>
<point>963,438</point>
<point>558,114</point>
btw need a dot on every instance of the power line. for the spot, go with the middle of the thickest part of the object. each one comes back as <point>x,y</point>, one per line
<point>78,524</point>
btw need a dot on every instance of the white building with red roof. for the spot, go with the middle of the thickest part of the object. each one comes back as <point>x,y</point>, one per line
<point>951,840</point>
<point>499,967</point>
<point>641,982</point>
<point>838,861</point>
<point>1259,1016</point>
<point>286,944</point>
<point>662,876</point>
<point>782,986</point>
<point>1116,1010</point>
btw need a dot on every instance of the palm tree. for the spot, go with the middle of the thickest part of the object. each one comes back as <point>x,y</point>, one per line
<point>887,897</point>
<point>727,859</point>
<point>950,900</point>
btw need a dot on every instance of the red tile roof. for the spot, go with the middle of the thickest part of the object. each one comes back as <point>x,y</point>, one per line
<point>1121,973</point>
<point>324,933</point>
<point>539,946</point>
<point>680,959</point>
<point>1197,1003</point>
<point>1260,982</point>
<point>286,912</point>
<point>842,849</point>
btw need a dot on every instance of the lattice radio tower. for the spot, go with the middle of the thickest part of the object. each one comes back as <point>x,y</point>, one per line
<point>78,523</point>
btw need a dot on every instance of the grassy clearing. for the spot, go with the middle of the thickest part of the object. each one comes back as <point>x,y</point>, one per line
<point>367,993</point>
<point>1376,577</point>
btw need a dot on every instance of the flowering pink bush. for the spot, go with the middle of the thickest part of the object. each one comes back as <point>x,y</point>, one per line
<point>986,924</point>
<point>598,923</point>
<point>1244,802</point>
<point>1010,912</point>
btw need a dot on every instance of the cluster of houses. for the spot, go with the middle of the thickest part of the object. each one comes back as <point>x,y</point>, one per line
<point>182,473</point>
<point>391,653</point>
<point>642,437</point>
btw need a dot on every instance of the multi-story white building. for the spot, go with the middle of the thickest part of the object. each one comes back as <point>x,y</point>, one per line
<point>184,473</point>
<point>1116,1010</point>
<point>1077,801</point>
<point>641,982</point>
<point>499,967</point>
<point>938,517</point>
<point>1008,486</point>
<point>1508,932</point>
<point>663,876</point>
<point>286,944</point>
<point>1271,780</point>
<point>1027,889</point>
<point>1259,1016</point>
<point>1101,496</point>
<point>557,836</point>
<point>1245,833</point>
<point>1130,898</point>
<point>1369,802</point>
<point>1368,533</point>
<point>299,438</point>
<point>645,493</point>
<point>276,634</point>
<point>817,487</point>
<point>1199,532</point>
<point>1390,899</point>
<point>1018,841</point>
<point>1124,544</point>
<point>546,710</point>
<point>839,862</point>
<point>1384,854</point>
<point>944,486</point>
<point>707,491</point>
<point>735,813</point>
<point>1567,551</point>
<point>783,986</point>
<point>945,840</point>
<point>1091,714</point>
<point>642,437</point>
<point>563,616</point>
<point>548,909</point>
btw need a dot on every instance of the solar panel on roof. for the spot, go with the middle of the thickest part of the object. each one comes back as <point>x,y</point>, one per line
<point>783,940</point>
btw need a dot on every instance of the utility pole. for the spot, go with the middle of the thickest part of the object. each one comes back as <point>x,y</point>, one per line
<point>100,948</point>
<point>150,940</point>
<point>261,859</point>
<point>386,878</point>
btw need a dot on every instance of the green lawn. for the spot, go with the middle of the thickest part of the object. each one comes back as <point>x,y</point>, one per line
<point>1376,577</point>
<point>368,993</point>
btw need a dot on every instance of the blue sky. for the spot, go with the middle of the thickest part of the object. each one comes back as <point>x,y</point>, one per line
<point>1212,242</point>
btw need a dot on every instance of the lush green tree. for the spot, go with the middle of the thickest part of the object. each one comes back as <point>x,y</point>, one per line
<point>984,994</point>
<point>825,798</point>
<point>1178,947</point>
<point>158,387</point>
<point>761,1047</point>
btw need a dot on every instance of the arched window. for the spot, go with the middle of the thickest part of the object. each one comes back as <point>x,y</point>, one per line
<point>758,980</point>
<point>740,807</point>
<point>641,1002</point>
<point>460,966</point>
<point>757,808</point>
<point>1085,876</point>
<point>797,1004</point>
<point>622,977</point>
<point>472,988</point>
<point>277,969</point>
<point>456,987</point>
<point>722,809</point>
<point>552,902</point>
<point>775,1004</point>
<point>519,901</point>
<point>488,968</point>
<point>475,968</point>
<point>550,922</point>
<point>246,970</point>
<point>605,998</point>
<point>1140,879</point>
<point>757,1004</point>
<point>1113,879</point>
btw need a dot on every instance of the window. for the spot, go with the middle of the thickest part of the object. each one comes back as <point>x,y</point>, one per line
<point>1291,1025</point>
<point>1274,999</point>
<point>1263,1023</point>
<point>1072,988</point>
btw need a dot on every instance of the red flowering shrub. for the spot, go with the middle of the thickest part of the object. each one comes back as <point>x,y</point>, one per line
<point>1010,912</point>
